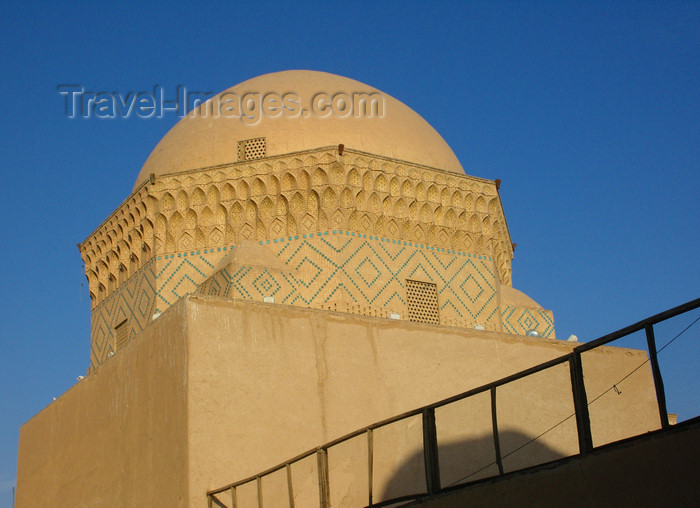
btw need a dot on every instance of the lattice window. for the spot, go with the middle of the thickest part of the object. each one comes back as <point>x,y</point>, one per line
<point>121,334</point>
<point>422,301</point>
<point>250,149</point>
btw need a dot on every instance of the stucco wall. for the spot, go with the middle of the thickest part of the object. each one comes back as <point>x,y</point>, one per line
<point>215,390</point>
<point>118,437</point>
<point>271,381</point>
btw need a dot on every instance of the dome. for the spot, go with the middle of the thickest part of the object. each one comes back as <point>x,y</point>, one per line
<point>294,111</point>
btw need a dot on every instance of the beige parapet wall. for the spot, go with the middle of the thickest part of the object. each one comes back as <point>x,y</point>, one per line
<point>215,390</point>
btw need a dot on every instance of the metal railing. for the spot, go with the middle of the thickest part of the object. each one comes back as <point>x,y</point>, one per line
<point>429,432</point>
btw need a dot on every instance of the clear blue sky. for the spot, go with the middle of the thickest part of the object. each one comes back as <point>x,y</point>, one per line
<point>588,112</point>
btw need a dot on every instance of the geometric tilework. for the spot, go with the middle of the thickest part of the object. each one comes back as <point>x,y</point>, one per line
<point>372,271</point>
<point>179,274</point>
<point>133,301</point>
<point>518,320</point>
<point>366,274</point>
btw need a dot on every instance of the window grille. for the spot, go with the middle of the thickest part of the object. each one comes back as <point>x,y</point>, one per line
<point>250,149</point>
<point>422,301</point>
<point>121,334</point>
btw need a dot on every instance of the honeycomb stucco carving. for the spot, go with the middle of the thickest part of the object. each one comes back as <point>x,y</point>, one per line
<point>296,194</point>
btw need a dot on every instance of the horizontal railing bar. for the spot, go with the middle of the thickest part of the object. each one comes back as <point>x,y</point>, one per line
<point>641,325</point>
<point>274,469</point>
<point>495,384</point>
<point>454,398</point>
<point>662,316</point>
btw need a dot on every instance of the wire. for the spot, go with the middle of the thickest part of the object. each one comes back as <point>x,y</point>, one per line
<point>613,387</point>
<point>513,451</point>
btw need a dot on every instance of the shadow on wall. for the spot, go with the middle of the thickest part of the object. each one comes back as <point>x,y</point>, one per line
<point>467,461</point>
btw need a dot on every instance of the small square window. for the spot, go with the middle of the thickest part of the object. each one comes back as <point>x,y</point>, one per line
<point>121,334</point>
<point>251,149</point>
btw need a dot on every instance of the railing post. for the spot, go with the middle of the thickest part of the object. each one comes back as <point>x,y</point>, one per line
<point>658,381</point>
<point>324,500</point>
<point>258,481</point>
<point>496,440</point>
<point>290,486</point>
<point>430,452</point>
<point>370,463</point>
<point>583,419</point>
<point>234,498</point>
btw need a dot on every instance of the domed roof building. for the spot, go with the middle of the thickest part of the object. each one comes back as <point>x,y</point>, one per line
<point>302,256</point>
<point>309,189</point>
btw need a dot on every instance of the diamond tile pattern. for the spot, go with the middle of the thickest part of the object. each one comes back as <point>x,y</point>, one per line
<point>133,301</point>
<point>518,320</point>
<point>368,274</point>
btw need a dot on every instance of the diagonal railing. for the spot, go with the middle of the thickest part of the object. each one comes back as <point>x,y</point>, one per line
<point>429,434</point>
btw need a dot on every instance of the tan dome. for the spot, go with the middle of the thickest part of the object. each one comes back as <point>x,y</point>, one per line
<point>201,140</point>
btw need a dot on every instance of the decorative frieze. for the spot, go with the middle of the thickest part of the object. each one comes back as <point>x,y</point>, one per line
<point>296,194</point>
<point>168,238</point>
